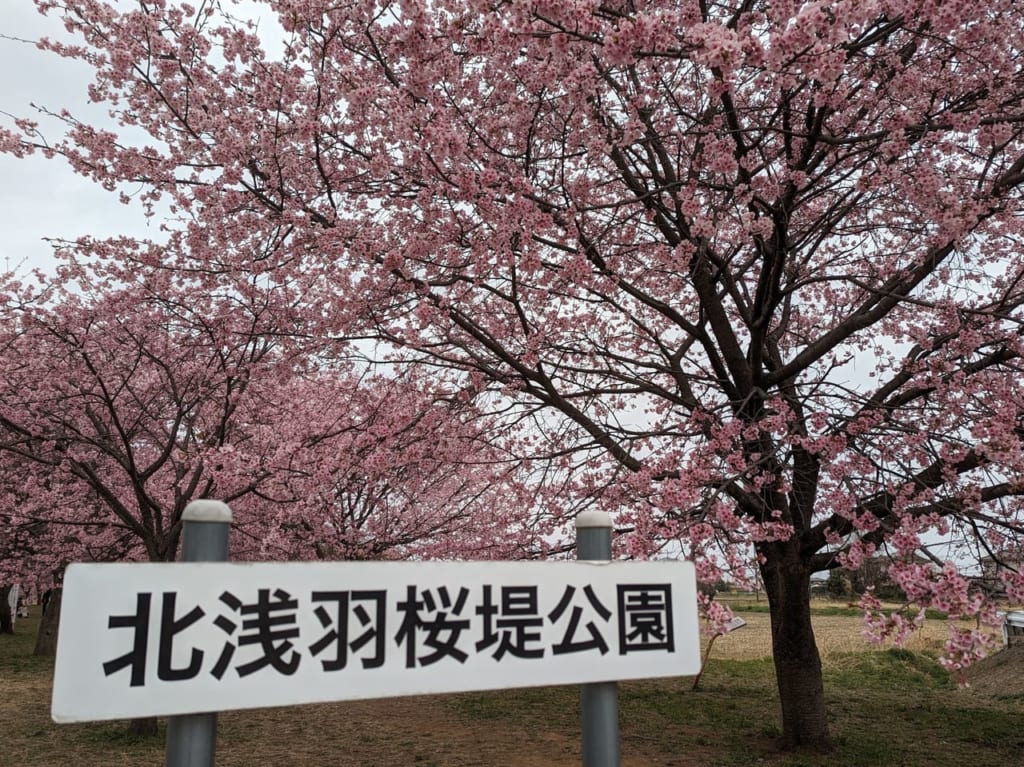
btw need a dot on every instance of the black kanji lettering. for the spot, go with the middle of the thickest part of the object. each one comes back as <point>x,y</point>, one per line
<point>509,625</point>
<point>136,659</point>
<point>270,624</point>
<point>442,633</point>
<point>272,632</point>
<point>351,604</point>
<point>169,628</point>
<point>569,642</point>
<point>228,626</point>
<point>645,617</point>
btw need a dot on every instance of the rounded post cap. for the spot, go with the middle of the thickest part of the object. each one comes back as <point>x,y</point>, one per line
<point>205,510</point>
<point>593,519</point>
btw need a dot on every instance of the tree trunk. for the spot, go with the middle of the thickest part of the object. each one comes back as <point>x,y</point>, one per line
<point>143,727</point>
<point>787,582</point>
<point>6,618</point>
<point>49,625</point>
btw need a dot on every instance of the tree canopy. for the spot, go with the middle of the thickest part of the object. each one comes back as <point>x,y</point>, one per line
<point>119,405</point>
<point>754,270</point>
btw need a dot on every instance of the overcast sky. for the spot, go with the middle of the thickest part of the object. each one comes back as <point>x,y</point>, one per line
<point>43,198</point>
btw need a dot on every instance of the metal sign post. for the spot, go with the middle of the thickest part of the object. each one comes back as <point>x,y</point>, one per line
<point>599,702</point>
<point>192,738</point>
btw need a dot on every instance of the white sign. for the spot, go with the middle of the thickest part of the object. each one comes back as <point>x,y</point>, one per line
<point>12,602</point>
<point>161,639</point>
<point>735,623</point>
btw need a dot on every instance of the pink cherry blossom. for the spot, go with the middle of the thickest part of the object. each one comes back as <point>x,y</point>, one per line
<point>747,275</point>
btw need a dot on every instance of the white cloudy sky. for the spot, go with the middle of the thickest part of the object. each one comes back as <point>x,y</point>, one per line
<point>43,198</point>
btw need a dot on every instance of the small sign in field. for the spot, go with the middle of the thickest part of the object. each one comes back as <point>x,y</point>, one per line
<point>164,639</point>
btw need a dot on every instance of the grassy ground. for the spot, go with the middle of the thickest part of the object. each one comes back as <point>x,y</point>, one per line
<point>889,707</point>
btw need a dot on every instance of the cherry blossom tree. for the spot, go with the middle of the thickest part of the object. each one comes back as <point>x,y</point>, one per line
<point>121,405</point>
<point>114,408</point>
<point>754,270</point>
<point>390,471</point>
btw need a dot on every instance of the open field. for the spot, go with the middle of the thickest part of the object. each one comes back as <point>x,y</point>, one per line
<point>837,627</point>
<point>889,707</point>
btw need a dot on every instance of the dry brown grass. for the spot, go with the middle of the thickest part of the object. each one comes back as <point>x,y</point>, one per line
<point>730,722</point>
<point>837,635</point>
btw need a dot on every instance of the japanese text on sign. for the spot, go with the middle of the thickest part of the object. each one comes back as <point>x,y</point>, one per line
<point>426,626</point>
<point>210,636</point>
